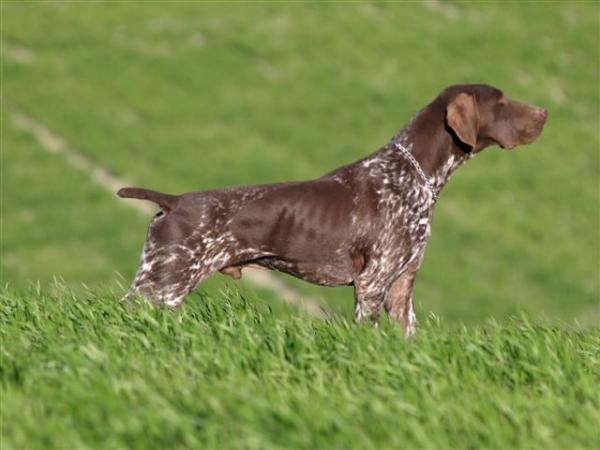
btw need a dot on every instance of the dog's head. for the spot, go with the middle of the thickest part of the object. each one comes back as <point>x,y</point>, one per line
<point>479,115</point>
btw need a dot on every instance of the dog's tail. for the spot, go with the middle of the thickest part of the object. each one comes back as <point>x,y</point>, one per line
<point>165,201</point>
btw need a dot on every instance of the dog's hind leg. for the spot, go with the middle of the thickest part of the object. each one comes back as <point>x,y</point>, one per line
<point>181,250</point>
<point>167,274</point>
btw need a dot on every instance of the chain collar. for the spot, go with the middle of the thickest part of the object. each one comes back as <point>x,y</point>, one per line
<point>417,167</point>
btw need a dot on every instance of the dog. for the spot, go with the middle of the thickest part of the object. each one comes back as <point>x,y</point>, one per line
<point>365,224</point>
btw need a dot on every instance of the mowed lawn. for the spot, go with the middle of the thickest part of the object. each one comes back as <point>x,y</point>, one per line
<point>186,96</point>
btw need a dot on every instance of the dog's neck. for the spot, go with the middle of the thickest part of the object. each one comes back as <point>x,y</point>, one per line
<point>432,145</point>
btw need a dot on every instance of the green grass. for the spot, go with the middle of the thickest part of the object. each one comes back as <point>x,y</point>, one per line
<point>185,96</point>
<point>82,371</point>
<point>188,96</point>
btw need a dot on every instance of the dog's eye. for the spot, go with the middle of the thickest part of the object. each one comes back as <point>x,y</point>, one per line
<point>159,214</point>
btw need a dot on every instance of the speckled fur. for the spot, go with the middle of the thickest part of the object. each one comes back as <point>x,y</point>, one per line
<point>365,224</point>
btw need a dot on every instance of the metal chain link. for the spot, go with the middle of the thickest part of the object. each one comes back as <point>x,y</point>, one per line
<point>417,167</point>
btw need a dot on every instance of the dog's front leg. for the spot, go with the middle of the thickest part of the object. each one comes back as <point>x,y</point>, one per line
<point>399,300</point>
<point>368,301</point>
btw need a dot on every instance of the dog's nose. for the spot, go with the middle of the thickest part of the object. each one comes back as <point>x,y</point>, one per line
<point>542,112</point>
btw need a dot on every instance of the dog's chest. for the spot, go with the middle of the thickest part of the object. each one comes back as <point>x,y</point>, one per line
<point>405,207</point>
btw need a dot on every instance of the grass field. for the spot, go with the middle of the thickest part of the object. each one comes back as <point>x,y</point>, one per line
<point>185,96</point>
<point>79,371</point>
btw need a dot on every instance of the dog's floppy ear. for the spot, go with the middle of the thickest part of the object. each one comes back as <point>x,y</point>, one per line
<point>463,118</point>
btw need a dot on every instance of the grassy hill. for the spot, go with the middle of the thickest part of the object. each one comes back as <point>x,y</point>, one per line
<point>82,371</point>
<point>189,97</point>
<point>186,96</point>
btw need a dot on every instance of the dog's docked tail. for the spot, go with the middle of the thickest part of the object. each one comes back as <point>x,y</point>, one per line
<point>166,201</point>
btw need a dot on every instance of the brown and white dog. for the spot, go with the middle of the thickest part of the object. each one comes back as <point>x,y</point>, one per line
<point>365,224</point>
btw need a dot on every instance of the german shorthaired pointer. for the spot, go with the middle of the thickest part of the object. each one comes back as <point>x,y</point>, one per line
<point>365,224</point>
